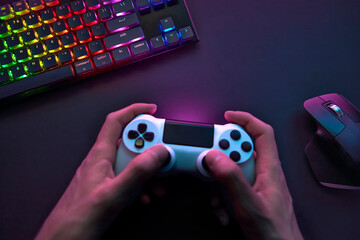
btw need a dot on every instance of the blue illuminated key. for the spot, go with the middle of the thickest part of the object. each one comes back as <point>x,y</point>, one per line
<point>167,24</point>
<point>186,34</point>
<point>172,38</point>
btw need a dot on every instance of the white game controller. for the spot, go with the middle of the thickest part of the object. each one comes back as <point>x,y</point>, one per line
<point>187,143</point>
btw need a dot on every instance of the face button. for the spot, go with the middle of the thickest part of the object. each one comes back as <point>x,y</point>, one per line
<point>139,143</point>
<point>246,146</point>
<point>142,128</point>
<point>149,136</point>
<point>204,165</point>
<point>235,156</point>
<point>133,134</point>
<point>235,135</point>
<point>224,144</point>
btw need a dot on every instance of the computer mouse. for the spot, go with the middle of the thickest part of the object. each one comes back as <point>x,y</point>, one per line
<point>338,130</point>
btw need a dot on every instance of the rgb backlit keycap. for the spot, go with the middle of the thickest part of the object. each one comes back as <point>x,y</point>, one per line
<point>14,42</point>
<point>66,56</point>
<point>45,32</point>
<point>30,37</point>
<point>68,40</point>
<point>7,59</point>
<point>38,49</point>
<point>123,8</point>
<point>63,11</point>
<point>167,24</point>
<point>19,71</point>
<point>5,76</point>
<point>6,12</point>
<point>32,20</point>
<point>17,25</point>
<point>53,45</point>
<point>35,66</point>
<point>36,5</point>
<point>21,7</point>
<point>22,54</point>
<point>4,29</point>
<point>60,27</point>
<point>48,15</point>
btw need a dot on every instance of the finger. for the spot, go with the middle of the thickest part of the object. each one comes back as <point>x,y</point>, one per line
<point>141,168</point>
<point>106,143</point>
<point>263,133</point>
<point>229,174</point>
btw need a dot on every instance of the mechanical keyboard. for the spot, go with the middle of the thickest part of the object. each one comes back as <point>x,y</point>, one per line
<point>44,43</point>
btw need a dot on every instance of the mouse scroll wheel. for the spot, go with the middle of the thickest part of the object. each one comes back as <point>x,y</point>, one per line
<point>335,109</point>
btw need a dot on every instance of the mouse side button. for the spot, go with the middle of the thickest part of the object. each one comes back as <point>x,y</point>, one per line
<point>323,116</point>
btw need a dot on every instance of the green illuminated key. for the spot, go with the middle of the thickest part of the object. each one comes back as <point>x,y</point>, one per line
<point>3,47</point>
<point>14,42</point>
<point>22,55</point>
<point>38,50</point>
<point>21,7</point>
<point>19,71</point>
<point>35,66</point>
<point>5,76</point>
<point>4,30</point>
<point>7,59</point>
<point>6,12</point>
<point>30,37</point>
<point>17,25</point>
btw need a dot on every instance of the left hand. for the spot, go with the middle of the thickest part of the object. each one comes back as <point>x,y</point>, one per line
<point>95,195</point>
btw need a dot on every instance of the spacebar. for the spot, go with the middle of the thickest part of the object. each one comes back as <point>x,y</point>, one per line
<point>36,81</point>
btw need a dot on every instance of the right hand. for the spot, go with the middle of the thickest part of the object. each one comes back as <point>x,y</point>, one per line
<point>264,210</point>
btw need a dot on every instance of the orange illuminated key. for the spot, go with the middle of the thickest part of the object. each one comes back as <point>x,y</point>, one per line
<point>60,27</point>
<point>96,47</point>
<point>66,56</point>
<point>32,20</point>
<point>51,3</point>
<point>48,15</point>
<point>81,52</point>
<point>68,40</point>
<point>83,35</point>
<point>36,5</point>
<point>63,11</point>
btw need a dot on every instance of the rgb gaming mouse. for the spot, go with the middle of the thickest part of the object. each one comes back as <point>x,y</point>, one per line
<point>334,152</point>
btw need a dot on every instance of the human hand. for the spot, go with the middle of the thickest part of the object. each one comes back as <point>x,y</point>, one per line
<point>264,210</point>
<point>95,195</point>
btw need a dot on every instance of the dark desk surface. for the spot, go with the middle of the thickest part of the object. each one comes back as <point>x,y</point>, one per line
<point>266,58</point>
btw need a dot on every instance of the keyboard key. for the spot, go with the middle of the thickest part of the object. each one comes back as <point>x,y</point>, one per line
<point>123,8</point>
<point>21,7</point>
<point>53,45</point>
<point>19,71</point>
<point>83,35</point>
<point>105,13</point>
<point>14,42</point>
<point>143,5</point>
<point>32,20</point>
<point>96,47</point>
<point>51,3</point>
<point>63,11</point>
<point>60,27</point>
<point>186,34</point>
<point>84,67</point>
<point>48,15</point>
<point>171,38</point>
<point>98,30</point>
<point>3,46</point>
<point>157,4</point>
<point>50,61</point>
<point>17,25</point>
<point>22,55</point>
<point>93,4</point>
<point>45,32</point>
<point>121,54</point>
<point>103,61</point>
<point>123,23</point>
<point>6,12</point>
<point>4,29</point>
<point>157,43</point>
<point>124,38</point>
<point>43,79</point>
<point>66,56</point>
<point>38,50</point>
<point>7,59</point>
<point>36,5</point>
<point>5,76</point>
<point>30,37</point>
<point>167,25</point>
<point>75,22</point>
<point>140,48</point>
<point>81,52</point>
<point>90,18</point>
<point>35,66</point>
<point>68,40</point>
<point>171,2</point>
<point>78,6</point>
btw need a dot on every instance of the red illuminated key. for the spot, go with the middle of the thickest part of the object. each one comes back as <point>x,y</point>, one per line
<point>105,13</point>
<point>75,22</point>
<point>103,61</point>
<point>63,11</point>
<point>83,35</point>
<point>96,47</point>
<point>78,6</point>
<point>93,4</point>
<point>90,18</point>
<point>99,30</point>
<point>81,52</point>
